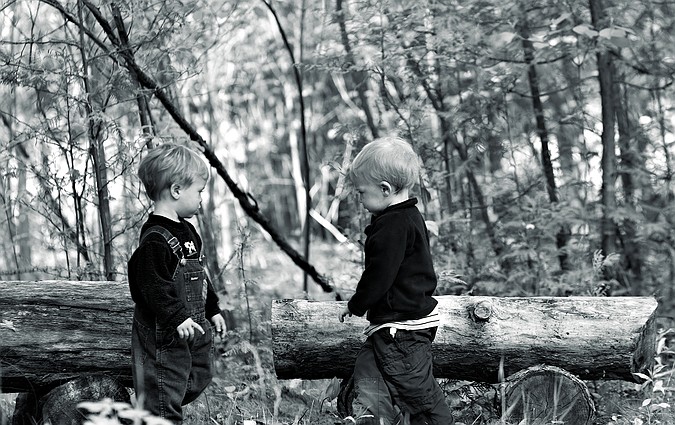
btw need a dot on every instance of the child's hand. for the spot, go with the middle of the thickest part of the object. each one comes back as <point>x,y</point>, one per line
<point>186,330</point>
<point>219,324</point>
<point>343,313</point>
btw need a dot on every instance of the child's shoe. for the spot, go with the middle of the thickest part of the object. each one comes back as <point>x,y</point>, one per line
<point>361,420</point>
<point>367,420</point>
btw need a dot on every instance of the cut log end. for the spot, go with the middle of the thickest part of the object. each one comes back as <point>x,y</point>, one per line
<point>60,404</point>
<point>546,395</point>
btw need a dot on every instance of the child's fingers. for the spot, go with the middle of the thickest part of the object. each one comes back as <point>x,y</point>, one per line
<point>220,327</point>
<point>198,327</point>
<point>185,333</point>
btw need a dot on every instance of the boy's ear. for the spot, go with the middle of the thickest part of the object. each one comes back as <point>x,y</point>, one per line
<point>175,191</point>
<point>386,188</point>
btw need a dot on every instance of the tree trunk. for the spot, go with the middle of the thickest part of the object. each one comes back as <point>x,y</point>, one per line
<point>12,254</point>
<point>95,129</point>
<point>55,207</point>
<point>546,395</point>
<point>631,165</point>
<point>55,331</point>
<point>19,237</point>
<point>435,96</point>
<point>606,79</point>
<point>358,78</point>
<point>60,405</point>
<point>303,139</point>
<point>591,337</point>
<point>214,229</point>
<point>563,234</point>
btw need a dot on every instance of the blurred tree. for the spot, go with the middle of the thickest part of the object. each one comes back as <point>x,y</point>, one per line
<point>545,129</point>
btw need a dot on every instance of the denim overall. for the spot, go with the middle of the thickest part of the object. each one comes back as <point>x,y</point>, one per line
<point>170,372</point>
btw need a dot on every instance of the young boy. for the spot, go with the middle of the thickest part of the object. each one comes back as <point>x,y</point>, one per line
<point>393,380</point>
<point>171,339</point>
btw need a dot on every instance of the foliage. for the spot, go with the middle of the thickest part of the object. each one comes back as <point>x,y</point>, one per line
<point>421,70</point>
<point>459,79</point>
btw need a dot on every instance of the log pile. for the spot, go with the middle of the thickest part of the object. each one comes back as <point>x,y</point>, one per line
<point>58,334</point>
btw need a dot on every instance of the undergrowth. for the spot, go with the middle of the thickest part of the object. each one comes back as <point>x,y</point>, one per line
<point>245,390</point>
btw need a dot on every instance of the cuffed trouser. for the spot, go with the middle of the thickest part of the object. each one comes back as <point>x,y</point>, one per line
<point>396,370</point>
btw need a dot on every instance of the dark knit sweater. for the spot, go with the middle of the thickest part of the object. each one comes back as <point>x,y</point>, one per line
<point>399,277</point>
<point>151,269</point>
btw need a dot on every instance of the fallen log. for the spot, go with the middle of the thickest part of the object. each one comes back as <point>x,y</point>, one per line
<point>60,404</point>
<point>590,337</point>
<point>52,332</point>
<point>546,395</point>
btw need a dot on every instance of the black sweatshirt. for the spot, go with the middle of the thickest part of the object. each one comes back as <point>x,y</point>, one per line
<point>151,269</point>
<point>399,278</point>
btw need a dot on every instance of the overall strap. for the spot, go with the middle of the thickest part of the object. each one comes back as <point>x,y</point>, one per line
<point>173,241</point>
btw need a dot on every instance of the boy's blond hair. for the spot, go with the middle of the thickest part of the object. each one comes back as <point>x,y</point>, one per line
<point>169,164</point>
<point>389,159</point>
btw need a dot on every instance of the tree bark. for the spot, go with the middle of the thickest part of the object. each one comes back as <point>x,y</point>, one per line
<point>606,80</point>
<point>358,78</point>
<point>630,169</point>
<point>19,228</point>
<point>55,331</point>
<point>98,157</point>
<point>563,234</point>
<point>60,405</point>
<point>592,337</point>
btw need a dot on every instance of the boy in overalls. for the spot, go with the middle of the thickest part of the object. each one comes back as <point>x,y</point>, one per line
<point>172,341</point>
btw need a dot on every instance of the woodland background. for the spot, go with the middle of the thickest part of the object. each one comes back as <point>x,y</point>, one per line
<point>546,129</point>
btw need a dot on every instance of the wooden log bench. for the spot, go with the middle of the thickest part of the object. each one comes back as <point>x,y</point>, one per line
<point>59,338</point>
<point>62,342</point>
<point>540,348</point>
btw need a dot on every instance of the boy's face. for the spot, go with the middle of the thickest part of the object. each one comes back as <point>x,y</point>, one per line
<point>374,196</point>
<point>190,199</point>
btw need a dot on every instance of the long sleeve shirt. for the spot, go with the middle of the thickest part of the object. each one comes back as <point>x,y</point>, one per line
<point>151,269</point>
<point>399,278</point>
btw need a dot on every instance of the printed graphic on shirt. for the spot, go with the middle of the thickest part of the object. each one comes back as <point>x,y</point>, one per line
<point>191,249</point>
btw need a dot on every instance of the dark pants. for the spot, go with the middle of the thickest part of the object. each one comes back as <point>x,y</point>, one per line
<point>169,372</point>
<point>397,371</point>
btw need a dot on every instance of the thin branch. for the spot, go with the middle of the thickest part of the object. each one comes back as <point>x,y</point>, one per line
<point>246,200</point>
<point>303,130</point>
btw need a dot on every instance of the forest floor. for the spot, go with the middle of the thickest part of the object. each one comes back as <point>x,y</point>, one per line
<point>245,390</point>
<point>246,387</point>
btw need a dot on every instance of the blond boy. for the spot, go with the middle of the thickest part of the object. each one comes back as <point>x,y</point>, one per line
<point>393,379</point>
